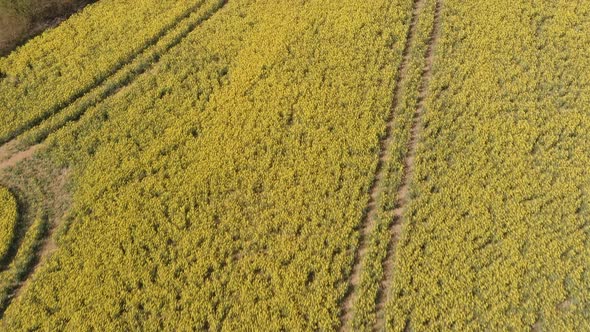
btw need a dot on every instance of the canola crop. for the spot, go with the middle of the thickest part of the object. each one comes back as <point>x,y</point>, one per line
<point>220,154</point>
<point>224,188</point>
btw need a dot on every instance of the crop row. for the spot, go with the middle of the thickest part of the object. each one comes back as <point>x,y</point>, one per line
<point>25,240</point>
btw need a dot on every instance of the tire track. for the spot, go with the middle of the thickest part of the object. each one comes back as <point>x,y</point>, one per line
<point>44,203</point>
<point>409,161</point>
<point>18,157</point>
<point>370,218</point>
<point>56,201</point>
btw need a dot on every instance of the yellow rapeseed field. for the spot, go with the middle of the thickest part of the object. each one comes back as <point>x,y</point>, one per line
<point>298,165</point>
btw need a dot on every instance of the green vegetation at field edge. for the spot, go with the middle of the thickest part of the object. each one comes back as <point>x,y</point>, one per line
<point>8,220</point>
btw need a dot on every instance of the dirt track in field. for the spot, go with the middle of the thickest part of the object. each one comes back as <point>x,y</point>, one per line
<point>13,159</point>
<point>369,220</point>
<point>57,202</point>
<point>403,193</point>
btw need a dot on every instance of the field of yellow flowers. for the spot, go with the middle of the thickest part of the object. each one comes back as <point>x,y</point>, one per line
<point>264,165</point>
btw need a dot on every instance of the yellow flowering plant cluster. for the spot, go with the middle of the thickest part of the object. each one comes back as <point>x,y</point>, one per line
<point>220,156</point>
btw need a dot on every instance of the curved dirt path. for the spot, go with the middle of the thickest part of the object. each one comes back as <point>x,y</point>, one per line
<point>17,157</point>
<point>57,201</point>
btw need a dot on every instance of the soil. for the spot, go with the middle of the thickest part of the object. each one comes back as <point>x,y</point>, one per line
<point>13,159</point>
